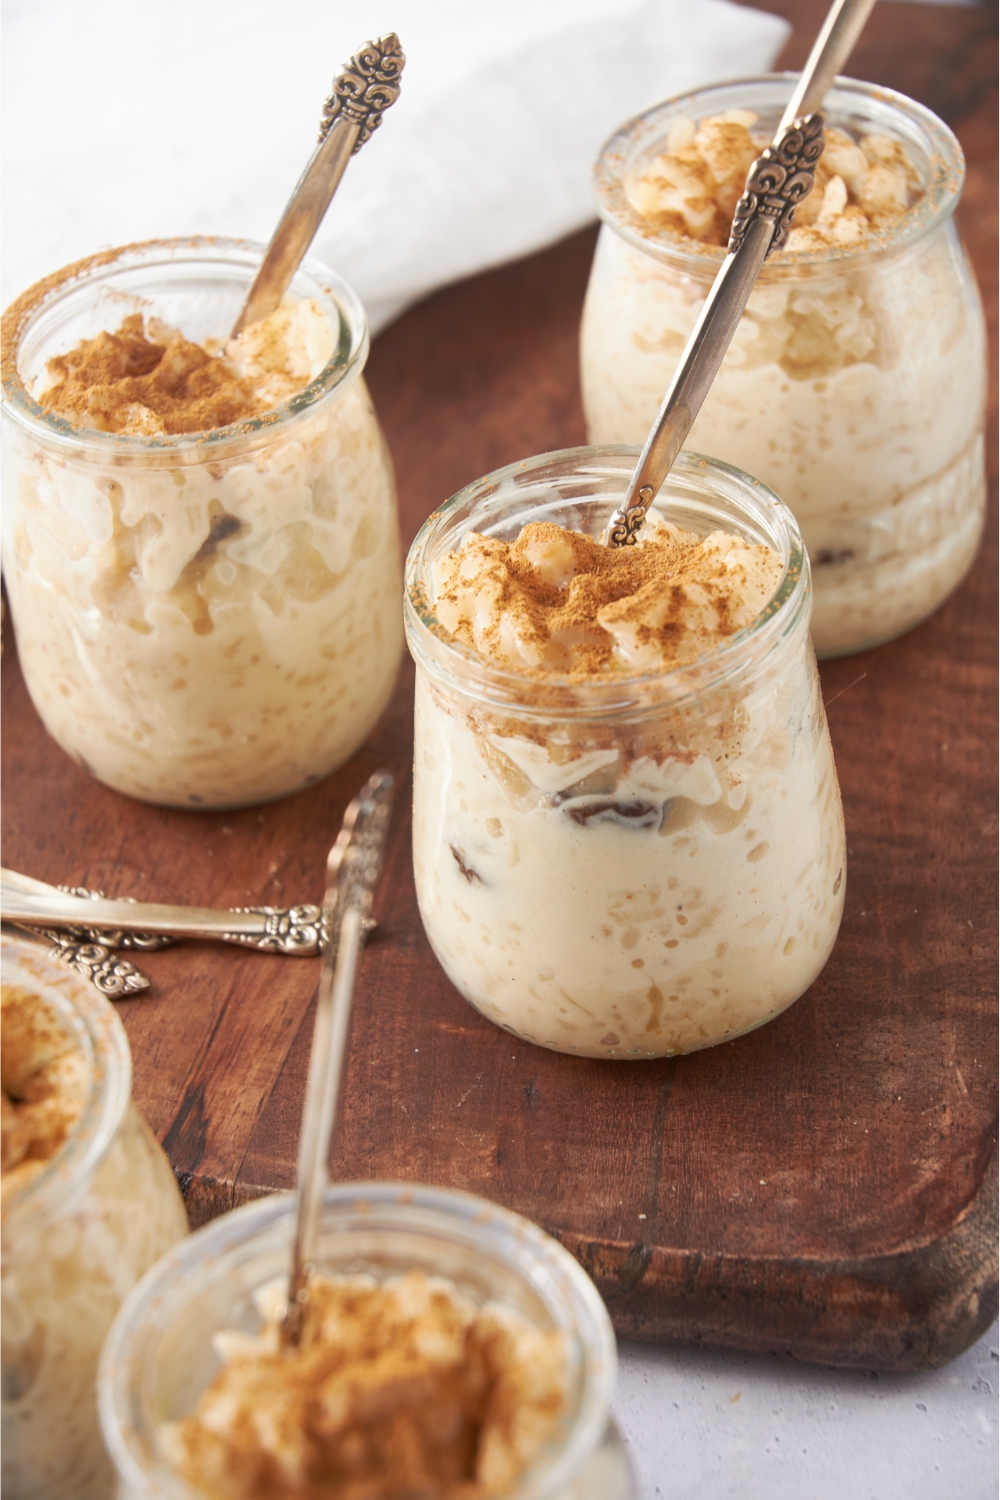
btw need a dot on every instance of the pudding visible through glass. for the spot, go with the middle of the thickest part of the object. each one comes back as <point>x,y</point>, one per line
<point>203,618</point>
<point>627,864</point>
<point>401,1270</point>
<point>89,1203</point>
<point>855,385</point>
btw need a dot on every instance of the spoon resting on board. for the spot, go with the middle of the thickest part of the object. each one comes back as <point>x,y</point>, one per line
<point>777,181</point>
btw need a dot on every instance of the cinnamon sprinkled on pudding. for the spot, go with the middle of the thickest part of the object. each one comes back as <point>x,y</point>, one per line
<point>147,379</point>
<point>557,601</point>
<point>397,1389</point>
<point>145,382</point>
<point>693,186</point>
<point>45,1086</point>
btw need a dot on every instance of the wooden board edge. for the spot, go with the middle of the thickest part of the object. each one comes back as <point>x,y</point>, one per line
<point>907,1311</point>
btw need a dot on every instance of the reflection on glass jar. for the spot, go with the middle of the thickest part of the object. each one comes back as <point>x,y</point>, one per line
<point>855,386</point>
<point>80,1225</point>
<point>203,618</point>
<point>163,1350</point>
<point>638,866</point>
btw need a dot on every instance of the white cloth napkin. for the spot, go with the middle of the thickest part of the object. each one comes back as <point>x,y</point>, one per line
<point>127,119</point>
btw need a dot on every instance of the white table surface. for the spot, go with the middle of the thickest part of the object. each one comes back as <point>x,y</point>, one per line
<point>701,1425</point>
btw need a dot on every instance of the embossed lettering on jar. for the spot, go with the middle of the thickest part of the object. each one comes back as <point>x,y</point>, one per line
<point>855,386</point>
<point>635,866</point>
<point>204,618</point>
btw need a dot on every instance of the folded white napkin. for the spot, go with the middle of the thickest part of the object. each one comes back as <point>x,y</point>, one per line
<point>126,120</point>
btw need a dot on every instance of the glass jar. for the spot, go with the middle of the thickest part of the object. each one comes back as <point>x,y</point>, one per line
<point>76,1238</point>
<point>206,619</point>
<point>636,867</point>
<point>159,1355</point>
<point>855,385</point>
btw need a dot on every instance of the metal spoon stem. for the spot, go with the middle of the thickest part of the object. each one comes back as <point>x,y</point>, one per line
<point>121,923</point>
<point>352,870</point>
<point>333,1012</point>
<point>836,41</point>
<point>705,351</point>
<point>299,223</point>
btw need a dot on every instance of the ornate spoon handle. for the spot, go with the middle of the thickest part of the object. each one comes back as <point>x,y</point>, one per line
<point>296,930</point>
<point>361,94</point>
<point>777,181</point>
<point>113,977</point>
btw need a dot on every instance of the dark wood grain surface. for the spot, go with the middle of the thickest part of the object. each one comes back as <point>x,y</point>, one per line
<point>825,1185</point>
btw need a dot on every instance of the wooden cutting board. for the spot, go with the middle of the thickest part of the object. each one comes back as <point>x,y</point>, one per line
<point>825,1186</point>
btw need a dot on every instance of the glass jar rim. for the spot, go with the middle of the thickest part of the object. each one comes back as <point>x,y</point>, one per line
<point>458,1217</point>
<point>346,363</point>
<point>945,159</point>
<point>436,649</point>
<point>98,1032</point>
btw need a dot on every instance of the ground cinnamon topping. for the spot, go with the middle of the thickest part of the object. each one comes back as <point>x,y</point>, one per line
<point>45,1084</point>
<point>557,601</point>
<point>397,1389</point>
<point>146,379</point>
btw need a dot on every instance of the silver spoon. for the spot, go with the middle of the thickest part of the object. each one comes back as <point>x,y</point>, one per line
<point>124,923</point>
<point>361,94</point>
<point>778,180</point>
<point>352,870</point>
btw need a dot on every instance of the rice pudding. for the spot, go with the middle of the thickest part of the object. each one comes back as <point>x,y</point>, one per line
<point>396,1387</point>
<point>627,839</point>
<point>200,540</point>
<point>855,385</point>
<point>445,1340</point>
<point>89,1202</point>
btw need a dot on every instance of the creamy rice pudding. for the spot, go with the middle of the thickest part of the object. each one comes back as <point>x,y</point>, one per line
<point>397,1387</point>
<point>89,1202</point>
<point>628,839</point>
<point>449,1348</point>
<point>45,1086</point>
<point>200,539</point>
<point>855,385</point>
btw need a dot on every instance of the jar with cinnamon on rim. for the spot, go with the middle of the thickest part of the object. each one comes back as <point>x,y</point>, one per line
<point>207,616</point>
<point>631,865</point>
<point>855,386</point>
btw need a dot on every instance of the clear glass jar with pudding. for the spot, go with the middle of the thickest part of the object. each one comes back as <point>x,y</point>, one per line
<point>200,539</point>
<point>448,1347</point>
<point>89,1203</point>
<point>627,832</point>
<point>856,383</point>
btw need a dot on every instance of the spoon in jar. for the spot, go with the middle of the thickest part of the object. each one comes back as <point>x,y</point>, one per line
<point>352,870</point>
<point>777,181</point>
<point>361,94</point>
